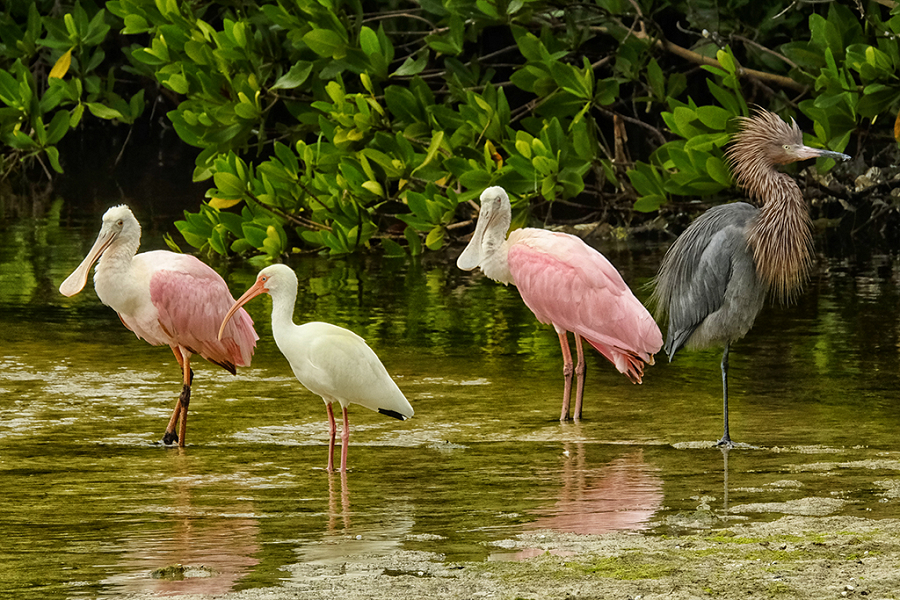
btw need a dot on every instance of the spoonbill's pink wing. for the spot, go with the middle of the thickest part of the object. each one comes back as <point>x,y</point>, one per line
<point>567,283</point>
<point>192,299</point>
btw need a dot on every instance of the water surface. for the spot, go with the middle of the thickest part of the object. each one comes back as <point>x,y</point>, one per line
<point>91,503</point>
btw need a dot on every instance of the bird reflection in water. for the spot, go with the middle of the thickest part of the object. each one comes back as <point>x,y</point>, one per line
<point>377,530</point>
<point>621,495</point>
<point>333,514</point>
<point>204,550</point>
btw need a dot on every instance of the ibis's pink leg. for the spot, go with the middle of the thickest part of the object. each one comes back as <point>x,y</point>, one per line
<point>568,371</point>
<point>345,441</point>
<point>579,372</point>
<point>332,429</point>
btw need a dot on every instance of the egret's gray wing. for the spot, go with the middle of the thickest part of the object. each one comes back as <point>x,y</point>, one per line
<point>697,269</point>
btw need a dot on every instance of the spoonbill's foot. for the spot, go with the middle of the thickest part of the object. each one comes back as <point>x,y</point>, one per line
<point>725,442</point>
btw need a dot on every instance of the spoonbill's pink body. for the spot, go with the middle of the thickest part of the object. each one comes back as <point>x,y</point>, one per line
<point>569,285</point>
<point>330,361</point>
<point>164,298</point>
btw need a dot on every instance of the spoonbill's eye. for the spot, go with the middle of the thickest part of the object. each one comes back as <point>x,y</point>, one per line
<point>121,222</point>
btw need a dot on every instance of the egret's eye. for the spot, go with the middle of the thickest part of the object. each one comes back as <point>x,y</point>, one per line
<point>121,222</point>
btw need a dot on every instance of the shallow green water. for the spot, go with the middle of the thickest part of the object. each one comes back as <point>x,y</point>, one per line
<point>91,503</point>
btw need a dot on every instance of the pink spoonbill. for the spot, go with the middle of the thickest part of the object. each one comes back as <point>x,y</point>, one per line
<point>328,360</point>
<point>567,284</point>
<point>164,298</point>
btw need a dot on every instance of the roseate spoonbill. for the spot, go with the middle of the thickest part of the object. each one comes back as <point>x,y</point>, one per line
<point>328,360</point>
<point>714,279</point>
<point>567,284</point>
<point>164,298</point>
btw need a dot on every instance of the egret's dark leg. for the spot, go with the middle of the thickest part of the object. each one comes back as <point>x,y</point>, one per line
<point>580,369</point>
<point>568,372</point>
<point>726,438</point>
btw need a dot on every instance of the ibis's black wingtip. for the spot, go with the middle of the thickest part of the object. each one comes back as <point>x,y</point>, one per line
<point>393,413</point>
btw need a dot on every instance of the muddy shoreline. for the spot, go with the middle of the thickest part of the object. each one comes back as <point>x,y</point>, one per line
<point>791,557</point>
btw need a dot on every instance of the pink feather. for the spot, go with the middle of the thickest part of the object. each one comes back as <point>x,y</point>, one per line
<point>570,285</point>
<point>191,299</point>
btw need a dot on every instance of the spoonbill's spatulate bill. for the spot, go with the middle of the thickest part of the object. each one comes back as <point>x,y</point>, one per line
<point>328,360</point>
<point>714,279</point>
<point>567,284</point>
<point>164,298</point>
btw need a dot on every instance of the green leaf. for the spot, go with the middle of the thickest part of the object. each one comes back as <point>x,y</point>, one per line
<point>254,233</point>
<point>53,156</point>
<point>368,41</point>
<point>177,83</point>
<point>413,65</point>
<point>9,90</point>
<point>713,117</point>
<point>649,203</point>
<point>102,111</point>
<point>135,24</point>
<point>435,238</point>
<point>58,127</point>
<point>229,184</point>
<point>726,59</point>
<point>295,77</point>
<point>716,169</point>
<point>656,79</point>
<point>433,148</point>
<point>475,179</point>
<point>75,117</point>
<point>325,42</point>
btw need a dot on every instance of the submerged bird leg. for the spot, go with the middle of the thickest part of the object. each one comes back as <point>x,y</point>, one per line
<point>568,371</point>
<point>170,435</point>
<point>726,439</point>
<point>181,407</point>
<point>185,399</point>
<point>580,369</point>
<point>345,440</point>
<point>332,429</point>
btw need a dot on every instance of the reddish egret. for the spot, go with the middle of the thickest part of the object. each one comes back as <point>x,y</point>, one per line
<point>567,284</point>
<point>714,279</point>
<point>328,360</point>
<point>164,298</point>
